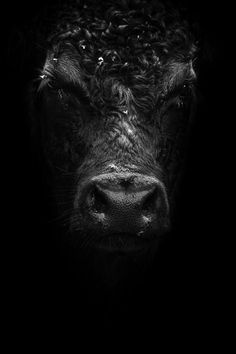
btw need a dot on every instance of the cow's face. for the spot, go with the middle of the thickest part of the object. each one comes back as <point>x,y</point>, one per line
<point>114,127</point>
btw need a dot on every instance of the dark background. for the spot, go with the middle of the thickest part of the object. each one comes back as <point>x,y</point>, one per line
<point>197,258</point>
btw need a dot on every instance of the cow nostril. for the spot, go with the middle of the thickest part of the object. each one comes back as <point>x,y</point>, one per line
<point>152,201</point>
<point>110,206</point>
<point>97,200</point>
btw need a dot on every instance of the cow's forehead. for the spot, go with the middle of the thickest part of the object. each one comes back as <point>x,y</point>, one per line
<point>134,44</point>
<point>123,33</point>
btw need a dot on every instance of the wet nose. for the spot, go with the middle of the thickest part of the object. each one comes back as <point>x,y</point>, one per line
<point>126,204</point>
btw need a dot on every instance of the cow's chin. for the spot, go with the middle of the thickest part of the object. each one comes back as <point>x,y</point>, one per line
<point>118,257</point>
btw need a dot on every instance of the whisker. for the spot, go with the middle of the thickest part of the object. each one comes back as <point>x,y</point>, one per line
<point>66,214</point>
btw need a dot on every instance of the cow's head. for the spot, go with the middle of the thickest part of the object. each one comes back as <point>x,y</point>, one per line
<point>114,102</point>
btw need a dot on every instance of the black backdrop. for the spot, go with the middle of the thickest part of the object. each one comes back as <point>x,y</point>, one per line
<point>196,258</point>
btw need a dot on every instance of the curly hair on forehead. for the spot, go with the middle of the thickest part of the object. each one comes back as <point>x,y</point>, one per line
<point>107,47</point>
<point>133,27</point>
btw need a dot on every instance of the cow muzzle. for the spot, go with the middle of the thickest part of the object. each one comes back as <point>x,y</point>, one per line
<point>123,206</point>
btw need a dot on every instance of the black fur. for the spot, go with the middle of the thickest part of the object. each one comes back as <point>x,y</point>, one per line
<point>116,88</point>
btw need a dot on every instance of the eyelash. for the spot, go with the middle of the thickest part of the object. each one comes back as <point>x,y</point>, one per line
<point>180,101</point>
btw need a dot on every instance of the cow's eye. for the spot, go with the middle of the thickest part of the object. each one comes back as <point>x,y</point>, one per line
<point>175,109</point>
<point>179,99</point>
<point>184,96</point>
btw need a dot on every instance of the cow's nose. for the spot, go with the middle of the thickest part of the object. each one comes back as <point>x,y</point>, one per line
<point>128,204</point>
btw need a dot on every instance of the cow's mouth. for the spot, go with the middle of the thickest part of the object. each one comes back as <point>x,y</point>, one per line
<point>123,243</point>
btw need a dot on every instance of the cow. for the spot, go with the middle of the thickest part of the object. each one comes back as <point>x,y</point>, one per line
<point>113,105</point>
